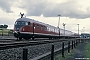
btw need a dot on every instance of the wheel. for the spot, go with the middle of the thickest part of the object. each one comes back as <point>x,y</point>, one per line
<point>33,38</point>
<point>26,38</point>
<point>20,38</point>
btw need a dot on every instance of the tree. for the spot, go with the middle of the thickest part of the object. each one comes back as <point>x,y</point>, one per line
<point>3,26</point>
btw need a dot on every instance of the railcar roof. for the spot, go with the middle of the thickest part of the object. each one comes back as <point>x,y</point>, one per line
<point>32,20</point>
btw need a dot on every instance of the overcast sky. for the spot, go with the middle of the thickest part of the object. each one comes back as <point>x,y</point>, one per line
<point>72,12</point>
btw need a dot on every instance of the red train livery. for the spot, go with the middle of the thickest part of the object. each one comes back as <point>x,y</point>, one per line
<point>28,28</point>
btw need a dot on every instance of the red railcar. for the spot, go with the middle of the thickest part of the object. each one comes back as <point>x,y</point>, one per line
<point>28,28</point>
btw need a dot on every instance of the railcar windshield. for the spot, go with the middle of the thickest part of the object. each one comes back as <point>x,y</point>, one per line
<point>19,24</point>
<point>22,23</point>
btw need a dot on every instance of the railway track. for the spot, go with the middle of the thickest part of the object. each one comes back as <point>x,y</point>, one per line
<point>13,42</point>
<point>10,43</point>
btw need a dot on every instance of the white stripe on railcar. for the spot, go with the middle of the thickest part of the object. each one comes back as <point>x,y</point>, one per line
<point>38,33</point>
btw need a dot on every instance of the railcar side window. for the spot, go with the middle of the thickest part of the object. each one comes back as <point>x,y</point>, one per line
<point>28,23</point>
<point>41,27</point>
<point>44,28</point>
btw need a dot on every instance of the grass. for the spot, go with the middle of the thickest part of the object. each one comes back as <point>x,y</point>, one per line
<point>87,51</point>
<point>5,31</point>
<point>66,54</point>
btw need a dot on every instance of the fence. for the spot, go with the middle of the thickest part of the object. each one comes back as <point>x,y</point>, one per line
<point>71,45</point>
<point>39,52</point>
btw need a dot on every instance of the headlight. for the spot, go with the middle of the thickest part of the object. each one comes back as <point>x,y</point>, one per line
<point>23,29</point>
<point>16,32</point>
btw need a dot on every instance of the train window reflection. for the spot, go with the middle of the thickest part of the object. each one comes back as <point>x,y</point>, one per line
<point>20,23</point>
<point>26,23</point>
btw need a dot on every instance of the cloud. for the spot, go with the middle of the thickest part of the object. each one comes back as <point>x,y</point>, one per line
<point>71,9</point>
<point>49,8</point>
<point>33,7</point>
<point>5,5</point>
<point>4,20</point>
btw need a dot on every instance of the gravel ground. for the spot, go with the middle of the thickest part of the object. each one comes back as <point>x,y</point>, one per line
<point>7,37</point>
<point>33,51</point>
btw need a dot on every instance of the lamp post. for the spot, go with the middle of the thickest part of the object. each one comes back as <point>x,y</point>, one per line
<point>59,24</point>
<point>64,28</point>
<point>78,29</point>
